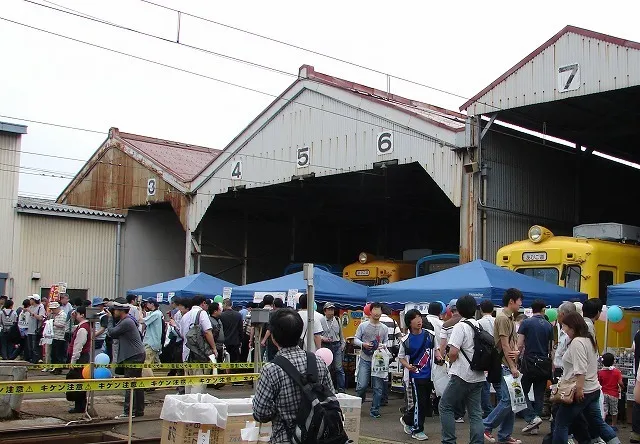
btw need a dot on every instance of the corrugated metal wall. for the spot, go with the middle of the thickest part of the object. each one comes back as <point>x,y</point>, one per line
<point>527,184</point>
<point>9,163</point>
<point>603,67</point>
<point>342,139</point>
<point>79,252</point>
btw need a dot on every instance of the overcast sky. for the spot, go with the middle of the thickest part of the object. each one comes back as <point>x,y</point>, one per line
<point>458,46</point>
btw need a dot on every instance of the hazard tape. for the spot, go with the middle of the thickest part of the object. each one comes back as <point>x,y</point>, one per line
<point>180,366</point>
<point>96,385</point>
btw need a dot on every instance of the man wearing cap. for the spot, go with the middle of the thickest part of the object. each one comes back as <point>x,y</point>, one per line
<point>37,314</point>
<point>130,351</point>
<point>445,335</point>
<point>152,335</point>
<point>333,339</point>
<point>59,345</point>
<point>101,325</point>
<point>79,353</point>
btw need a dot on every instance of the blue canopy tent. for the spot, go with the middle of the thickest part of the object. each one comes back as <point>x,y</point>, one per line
<point>625,295</point>
<point>201,283</point>
<point>478,278</point>
<point>328,288</point>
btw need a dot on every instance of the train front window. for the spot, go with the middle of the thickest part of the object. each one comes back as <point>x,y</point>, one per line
<point>572,280</point>
<point>544,274</point>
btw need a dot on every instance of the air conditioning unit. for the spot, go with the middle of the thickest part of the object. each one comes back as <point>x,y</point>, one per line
<point>610,231</point>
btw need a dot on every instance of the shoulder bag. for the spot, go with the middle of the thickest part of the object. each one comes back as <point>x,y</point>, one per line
<point>564,391</point>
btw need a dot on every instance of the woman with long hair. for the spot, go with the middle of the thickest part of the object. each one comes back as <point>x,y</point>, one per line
<point>581,363</point>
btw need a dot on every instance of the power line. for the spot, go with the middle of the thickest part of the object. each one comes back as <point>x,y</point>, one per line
<point>421,136</point>
<point>310,51</point>
<point>83,15</point>
<point>51,124</point>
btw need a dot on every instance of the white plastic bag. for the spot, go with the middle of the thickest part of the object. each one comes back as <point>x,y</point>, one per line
<point>516,393</point>
<point>255,432</point>
<point>380,364</point>
<point>440,378</point>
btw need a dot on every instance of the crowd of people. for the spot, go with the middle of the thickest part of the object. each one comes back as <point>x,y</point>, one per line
<point>444,342</point>
<point>447,341</point>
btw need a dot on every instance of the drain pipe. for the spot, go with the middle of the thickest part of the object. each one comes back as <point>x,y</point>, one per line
<point>118,246</point>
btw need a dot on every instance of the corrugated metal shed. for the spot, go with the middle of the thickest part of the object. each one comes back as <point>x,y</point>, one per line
<point>50,207</point>
<point>116,177</point>
<point>9,162</point>
<point>80,252</point>
<point>605,63</point>
<point>339,121</point>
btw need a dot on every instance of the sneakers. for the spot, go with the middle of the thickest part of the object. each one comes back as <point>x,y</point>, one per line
<point>460,420</point>
<point>123,416</point>
<point>511,440</point>
<point>420,436</point>
<point>535,422</point>
<point>375,415</point>
<point>407,429</point>
<point>488,437</point>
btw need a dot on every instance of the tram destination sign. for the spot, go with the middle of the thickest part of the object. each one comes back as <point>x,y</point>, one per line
<point>538,256</point>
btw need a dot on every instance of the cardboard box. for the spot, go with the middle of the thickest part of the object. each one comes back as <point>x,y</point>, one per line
<point>190,433</point>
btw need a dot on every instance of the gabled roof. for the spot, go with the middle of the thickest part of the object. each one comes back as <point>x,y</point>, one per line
<point>566,30</point>
<point>50,207</point>
<point>181,160</point>
<point>441,117</point>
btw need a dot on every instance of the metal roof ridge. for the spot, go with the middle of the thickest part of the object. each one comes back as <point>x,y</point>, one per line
<point>182,145</point>
<point>312,74</point>
<point>566,30</point>
<point>52,205</point>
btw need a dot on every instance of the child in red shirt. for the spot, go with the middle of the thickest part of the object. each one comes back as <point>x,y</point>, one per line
<point>610,379</point>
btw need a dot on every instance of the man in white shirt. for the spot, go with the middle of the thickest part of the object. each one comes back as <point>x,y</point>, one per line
<point>465,385</point>
<point>445,334</point>
<point>486,322</point>
<point>186,323</point>
<point>317,325</point>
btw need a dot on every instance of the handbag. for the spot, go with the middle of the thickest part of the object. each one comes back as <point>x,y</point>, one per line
<point>564,391</point>
<point>536,367</point>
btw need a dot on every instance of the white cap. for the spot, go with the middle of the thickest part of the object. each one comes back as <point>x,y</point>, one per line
<point>35,296</point>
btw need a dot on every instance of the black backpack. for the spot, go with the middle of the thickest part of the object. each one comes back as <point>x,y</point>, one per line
<point>319,419</point>
<point>485,353</point>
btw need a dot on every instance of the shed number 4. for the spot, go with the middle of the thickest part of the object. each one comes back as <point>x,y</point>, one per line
<point>236,170</point>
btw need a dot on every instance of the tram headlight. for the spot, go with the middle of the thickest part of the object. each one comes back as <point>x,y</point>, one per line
<point>539,233</point>
<point>362,258</point>
<point>535,234</point>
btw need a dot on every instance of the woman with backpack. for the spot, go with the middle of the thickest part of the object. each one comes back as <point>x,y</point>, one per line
<point>8,326</point>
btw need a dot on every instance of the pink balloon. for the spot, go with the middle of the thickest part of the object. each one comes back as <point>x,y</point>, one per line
<point>603,315</point>
<point>326,355</point>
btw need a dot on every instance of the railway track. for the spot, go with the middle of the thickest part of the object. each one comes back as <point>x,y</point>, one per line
<point>81,433</point>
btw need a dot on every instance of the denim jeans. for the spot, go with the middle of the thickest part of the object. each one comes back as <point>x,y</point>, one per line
<point>336,349</point>
<point>459,391</point>
<point>590,407</point>
<point>364,374</point>
<point>533,408</point>
<point>502,415</point>
<point>487,407</point>
<point>6,347</point>
<point>34,348</point>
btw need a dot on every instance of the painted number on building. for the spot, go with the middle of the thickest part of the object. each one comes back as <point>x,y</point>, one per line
<point>304,157</point>
<point>151,187</point>
<point>569,77</point>
<point>236,170</point>
<point>534,257</point>
<point>384,143</point>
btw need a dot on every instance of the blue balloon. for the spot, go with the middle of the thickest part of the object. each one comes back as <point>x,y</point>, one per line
<point>101,373</point>
<point>315,307</point>
<point>614,314</point>
<point>102,359</point>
